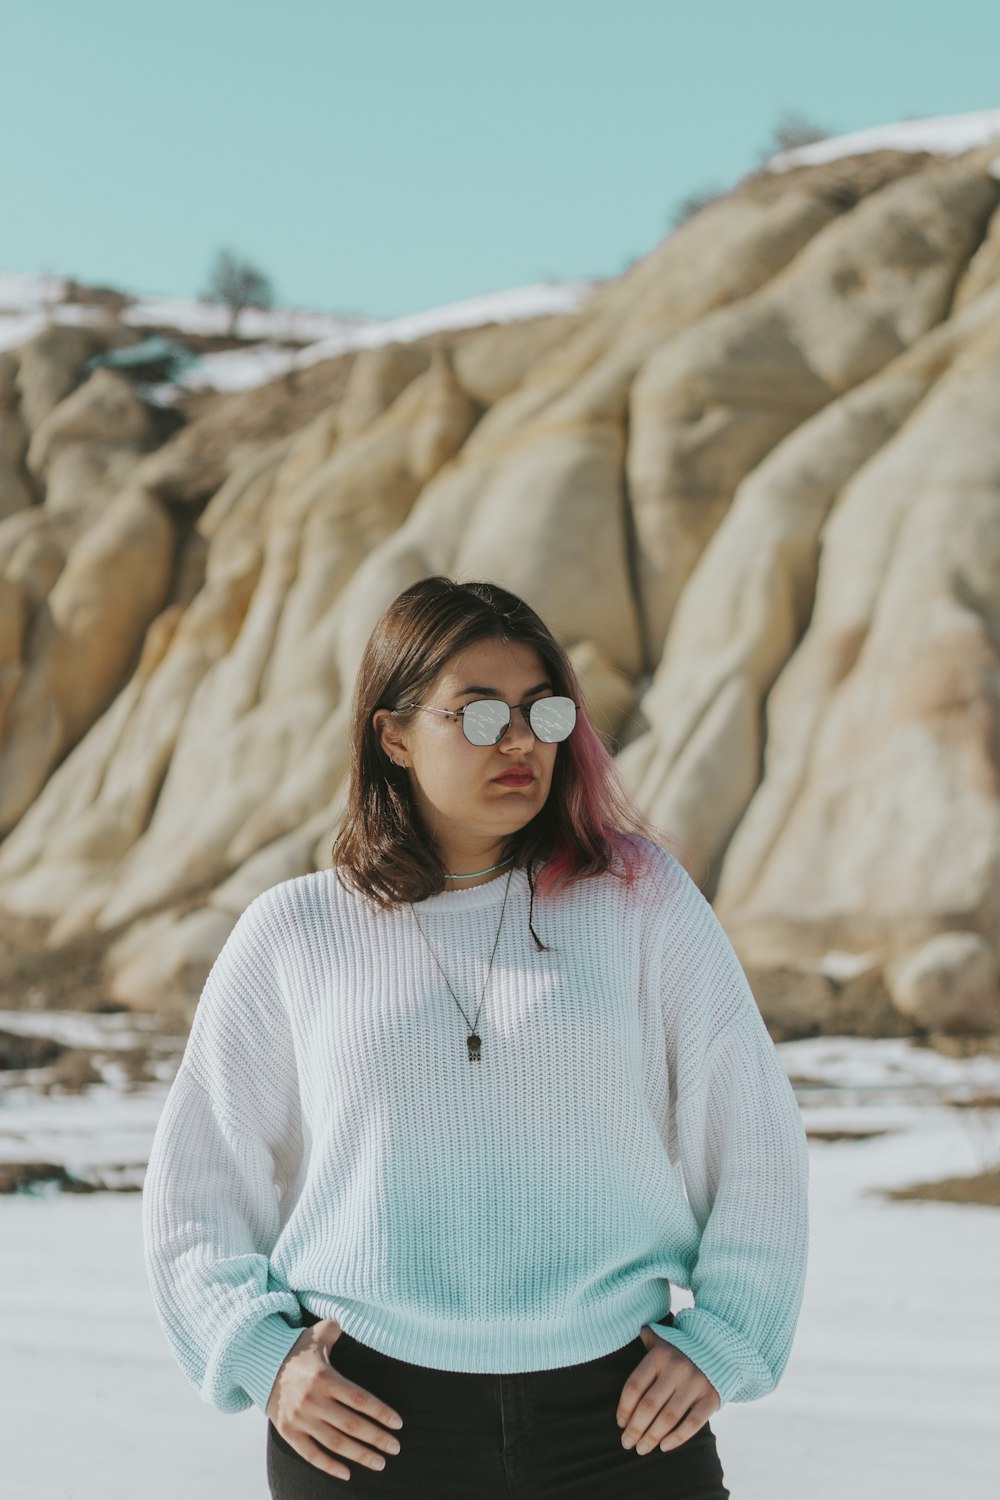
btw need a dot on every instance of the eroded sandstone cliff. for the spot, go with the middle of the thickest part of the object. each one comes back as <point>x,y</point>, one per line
<point>757,490</point>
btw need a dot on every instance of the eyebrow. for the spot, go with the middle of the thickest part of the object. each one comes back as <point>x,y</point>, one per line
<point>492,692</point>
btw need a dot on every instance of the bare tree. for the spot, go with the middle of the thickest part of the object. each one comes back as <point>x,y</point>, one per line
<point>793,130</point>
<point>237,284</point>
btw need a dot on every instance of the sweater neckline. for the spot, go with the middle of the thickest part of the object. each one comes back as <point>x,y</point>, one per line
<point>490,893</point>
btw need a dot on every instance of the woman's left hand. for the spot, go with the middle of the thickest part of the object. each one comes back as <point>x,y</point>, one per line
<point>666,1399</point>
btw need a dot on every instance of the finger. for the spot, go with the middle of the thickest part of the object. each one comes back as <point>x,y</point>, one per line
<point>319,1458</point>
<point>692,1423</point>
<point>670,1431</point>
<point>660,1398</point>
<point>635,1387</point>
<point>354,1396</point>
<point>340,1443</point>
<point>346,1431</point>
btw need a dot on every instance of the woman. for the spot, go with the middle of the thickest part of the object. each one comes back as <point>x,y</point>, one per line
<point>454,1113</point>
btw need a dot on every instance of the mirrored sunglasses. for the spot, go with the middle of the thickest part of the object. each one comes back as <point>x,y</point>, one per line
<point>487,720</point>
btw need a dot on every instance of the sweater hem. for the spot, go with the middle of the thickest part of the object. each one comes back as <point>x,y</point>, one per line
<point>492,1347</point>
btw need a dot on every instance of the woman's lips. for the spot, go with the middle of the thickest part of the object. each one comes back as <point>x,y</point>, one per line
<point>515,778</point>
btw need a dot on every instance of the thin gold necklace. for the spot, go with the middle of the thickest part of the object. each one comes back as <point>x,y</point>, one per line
<point>474,1040</point>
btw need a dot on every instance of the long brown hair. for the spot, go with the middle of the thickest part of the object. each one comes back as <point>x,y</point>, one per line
<point>382,844</point>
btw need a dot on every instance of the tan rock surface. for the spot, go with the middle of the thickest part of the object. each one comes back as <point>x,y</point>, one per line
<point>15,487</point>
<point>983,270</point>
<point>748,600</point>
<point>377,377</point>
<point>245,698</point>
<point>50,367</point>
<point>81,642</point>
<point>494,361</point>
<point>753,484</point>
<point>878,815</point>
<point>708,405</point>
<point>951,983</point>
<point>103,411</point>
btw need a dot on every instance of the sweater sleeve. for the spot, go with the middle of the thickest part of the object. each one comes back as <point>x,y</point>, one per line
<point>221,1172</point>
<point>743,1157</point>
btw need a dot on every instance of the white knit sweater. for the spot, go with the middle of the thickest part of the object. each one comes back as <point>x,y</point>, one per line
<point>327,1142</point>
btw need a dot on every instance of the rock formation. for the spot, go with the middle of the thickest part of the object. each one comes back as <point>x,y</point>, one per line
<point>757,488</point>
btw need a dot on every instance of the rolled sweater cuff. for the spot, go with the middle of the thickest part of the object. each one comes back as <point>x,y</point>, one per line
<point>257,1353</point>
<point>735,1368</point>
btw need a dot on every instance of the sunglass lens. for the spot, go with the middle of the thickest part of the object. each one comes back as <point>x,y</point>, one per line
<point>485,720</point>
<point>552,719</point>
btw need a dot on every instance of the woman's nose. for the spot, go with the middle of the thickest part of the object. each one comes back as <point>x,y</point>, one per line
<point>519,729</point>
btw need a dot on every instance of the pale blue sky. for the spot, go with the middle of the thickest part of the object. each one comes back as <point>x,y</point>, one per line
<point>379,157</point>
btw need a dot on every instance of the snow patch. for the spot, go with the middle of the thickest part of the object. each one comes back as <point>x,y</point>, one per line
<point>237,369</point>
<point>839,965</point>
<point>277,340</point>
<point>946,135</point>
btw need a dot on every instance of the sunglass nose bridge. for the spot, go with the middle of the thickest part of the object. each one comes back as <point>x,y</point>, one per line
<point>525,712</point>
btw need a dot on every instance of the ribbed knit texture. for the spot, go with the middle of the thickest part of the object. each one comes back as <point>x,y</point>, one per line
<point>328,1144</point>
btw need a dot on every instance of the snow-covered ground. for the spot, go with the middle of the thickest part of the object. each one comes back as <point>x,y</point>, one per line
<point>946,135</point>
<point>892,1390</point>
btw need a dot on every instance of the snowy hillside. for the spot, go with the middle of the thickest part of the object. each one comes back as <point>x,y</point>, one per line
<point>269,342</point>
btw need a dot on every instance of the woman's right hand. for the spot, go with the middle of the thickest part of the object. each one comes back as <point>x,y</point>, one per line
<point>311,1403</point>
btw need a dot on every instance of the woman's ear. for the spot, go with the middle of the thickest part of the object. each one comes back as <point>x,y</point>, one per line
<point>390,747</point>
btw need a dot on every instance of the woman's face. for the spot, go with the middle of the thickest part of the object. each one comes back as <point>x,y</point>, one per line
<point>454,782</point>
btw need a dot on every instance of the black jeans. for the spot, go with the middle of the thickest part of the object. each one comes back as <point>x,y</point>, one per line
<point>540,1435</point>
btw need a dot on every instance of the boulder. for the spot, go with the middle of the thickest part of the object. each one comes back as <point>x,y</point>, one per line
<point>104,410</point>
<point>50,367</point>
<point>950,983</point>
